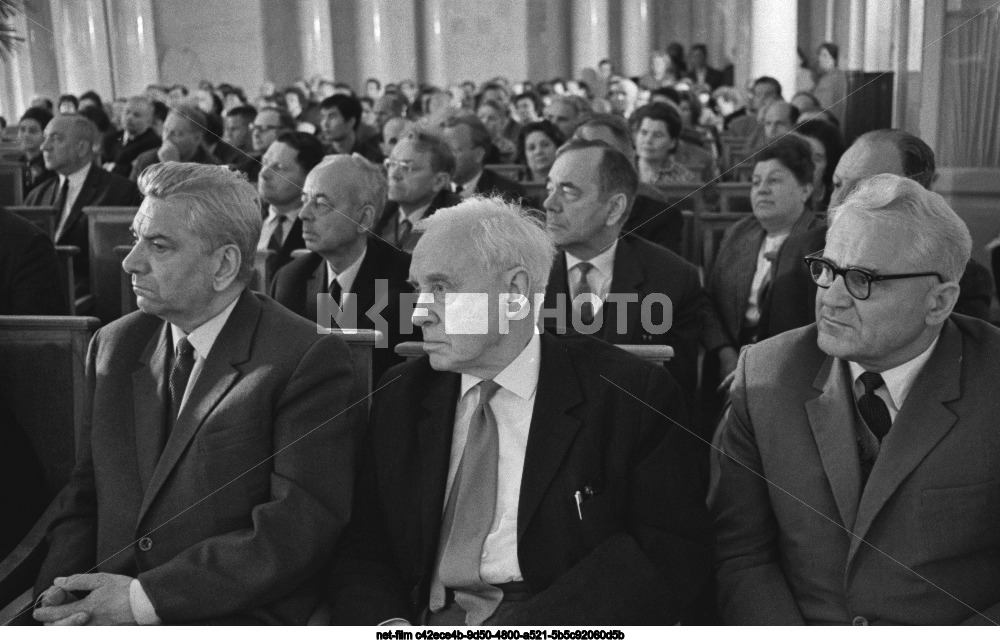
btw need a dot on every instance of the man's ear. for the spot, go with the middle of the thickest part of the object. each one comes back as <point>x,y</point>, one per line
<point>480,155</point>
<point>941,300</point>
<point>440,181</point>
<point>366,222</point>
<point>228,262</point>
<point>616,207</point>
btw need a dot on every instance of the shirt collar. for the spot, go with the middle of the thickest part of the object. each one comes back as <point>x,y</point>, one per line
<point>519,377</point>
<point>204,337</point>
<point>347,276</point>
<point>273,214</point>
<point>469,186</point>
<point>899,380</point>
<point>603,263</point>
<point>77,177</point>
<point>414,215</point>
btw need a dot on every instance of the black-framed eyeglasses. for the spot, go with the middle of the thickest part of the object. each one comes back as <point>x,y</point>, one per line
<point>857,280</point>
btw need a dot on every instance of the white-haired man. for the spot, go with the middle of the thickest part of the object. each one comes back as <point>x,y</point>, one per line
<point>855,480</point>
<point>513,477</point>
<point>216,469</point>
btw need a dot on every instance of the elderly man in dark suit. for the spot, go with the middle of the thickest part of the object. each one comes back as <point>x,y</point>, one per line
<point>215,471</point>
<point>419,167</point>
<point>855,478</point>
<point>135,138</point>
<point>513,477</point>
<point>79,182</point>
<point>363,276</point>
<point>640,293</point>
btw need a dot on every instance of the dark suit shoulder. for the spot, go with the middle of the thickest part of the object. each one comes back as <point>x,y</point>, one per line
<point>46,187</point>
<point>657,258</point>
<point>16,231</point>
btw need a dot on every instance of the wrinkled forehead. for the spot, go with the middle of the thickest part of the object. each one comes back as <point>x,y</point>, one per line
<point>863,242</point>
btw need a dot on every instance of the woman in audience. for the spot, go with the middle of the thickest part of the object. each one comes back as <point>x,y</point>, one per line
<point>536,148</point>
<point>831,81</point>
<point>657,127</point>
<point>30,133</point>
<point>827,145</point>
<point>68,104</point>
<point>737,284</point>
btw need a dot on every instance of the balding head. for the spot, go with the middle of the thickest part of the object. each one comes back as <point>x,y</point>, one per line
<point>778,119</point>
<point>69,142</point>
<point>138,115</point>
<point>882,151</point>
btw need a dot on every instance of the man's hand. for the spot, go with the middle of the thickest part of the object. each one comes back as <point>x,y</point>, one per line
<point>108,602</point>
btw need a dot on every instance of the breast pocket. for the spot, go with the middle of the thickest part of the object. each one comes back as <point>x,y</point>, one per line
<point>960,520</point>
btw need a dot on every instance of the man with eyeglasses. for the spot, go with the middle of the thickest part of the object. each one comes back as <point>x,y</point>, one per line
<point>341,199</point>
<point>420,168</point>
<point>284,168</point>
<point>268,125</point>
<point>855,478</point>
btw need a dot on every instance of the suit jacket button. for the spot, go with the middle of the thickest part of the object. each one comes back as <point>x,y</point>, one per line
<point>859,621</point>
<point>145,544</point>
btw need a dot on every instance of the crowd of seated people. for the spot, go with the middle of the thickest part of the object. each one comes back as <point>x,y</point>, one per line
<point>531,467</point>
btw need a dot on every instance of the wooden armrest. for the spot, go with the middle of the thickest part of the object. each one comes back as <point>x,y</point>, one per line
<point>655,353</point>
<point>19,569</point>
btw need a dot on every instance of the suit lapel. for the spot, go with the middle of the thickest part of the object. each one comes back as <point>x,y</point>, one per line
<point>434,434</point>
<point>552,428</point>
<point>831,418</point>
<point>919,426</point>
<point>626,277</point>
<point>363,287</point>
<point>315,283</point>
<point>218,374</point>
<point>86,196</point>
<point>558,286</point>
<point>149,388</point>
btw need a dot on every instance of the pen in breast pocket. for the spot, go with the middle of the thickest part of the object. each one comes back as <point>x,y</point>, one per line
<point>578,497</point>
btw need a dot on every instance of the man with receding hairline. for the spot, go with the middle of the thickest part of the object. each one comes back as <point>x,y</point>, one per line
<point>183,140</point>
<point>854,478</point>
<point>79,182</point>
<point>136,137</point>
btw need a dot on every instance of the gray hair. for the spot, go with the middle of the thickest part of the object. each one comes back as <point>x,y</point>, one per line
<point>223,208</point>
<point>503,234</point>
<point>940,239</point>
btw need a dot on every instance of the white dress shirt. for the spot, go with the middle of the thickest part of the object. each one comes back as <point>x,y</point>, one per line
<point>599,277</point>
<point>898,380</point>
<point>512,406</point>
<point>271,223</point>
<point>202,339</point>
<point>347,276</point>
<point>75,186</point>
<point>414,215</point>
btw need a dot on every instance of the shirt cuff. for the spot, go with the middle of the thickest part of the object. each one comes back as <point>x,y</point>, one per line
<point>142,608</point>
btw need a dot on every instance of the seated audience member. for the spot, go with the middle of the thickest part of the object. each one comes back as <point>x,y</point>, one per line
<point>68,150</point>
<point>470,141</point>
<point>704,78</point>
<point>653,217</point>
<point>505,480</point>
<point>591,189</point>
<point>566,113</point>
<point>30,134</point>
<point>536,148</point>
<point>388,106</point>
<point>494,116</point>
<point>831,81</point>
<point>283,173</point>
<point>739,283</point>
<point>268,125</point>
<point>827,144</point>
<point>342,197</point>
<point>136,137</point>
<point>855,478</point>
<point>236,147</point>
<point>31,281</point>
<point>662,72</point>
<point>68,104</point>
<point>184,134</point>
<point>528,107</point>
<point>805,102</point>
<point>217,470</point>
<point>779,117</point>
<point>392,132</point>
<point>657,127</point>
<point>340,120</point>
<point>419,168</point>
<point>876,152</point>
<point>764,91</point>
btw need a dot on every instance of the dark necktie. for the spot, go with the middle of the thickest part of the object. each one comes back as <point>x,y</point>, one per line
<point>873,409</point>
<point>60,205</point>
<point>336,291</point>
<point>468,517</point>
<point>180,373</point>
<point>403,230</point>
<point>583,288</point>
<point>276,238</point>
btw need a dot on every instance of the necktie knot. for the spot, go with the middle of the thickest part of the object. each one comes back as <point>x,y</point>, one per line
<point>487,389</point>
<point>184,348</point>
<point>871,381</point>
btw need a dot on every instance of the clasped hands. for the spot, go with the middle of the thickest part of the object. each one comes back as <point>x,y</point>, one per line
<point>107,604</point>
